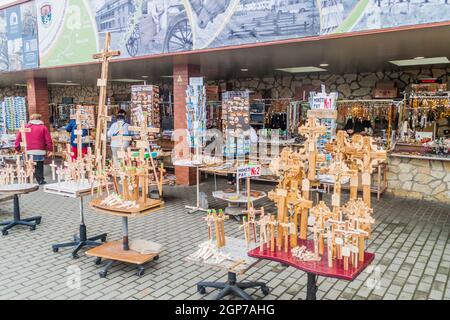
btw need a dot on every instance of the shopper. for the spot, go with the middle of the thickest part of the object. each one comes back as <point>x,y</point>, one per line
<point>72,128</point>
<point>118,128</point>
<point>38,143</point>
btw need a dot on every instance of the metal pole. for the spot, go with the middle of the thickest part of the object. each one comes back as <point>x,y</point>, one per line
<point>126,246</point>
<point>198,187</point>
<point>81,210</point>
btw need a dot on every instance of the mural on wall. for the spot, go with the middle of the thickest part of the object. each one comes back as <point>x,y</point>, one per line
<point>70,31</point>
<point>18,38</point>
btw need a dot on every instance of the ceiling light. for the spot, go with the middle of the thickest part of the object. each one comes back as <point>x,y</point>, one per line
<point>419,58</point>
<point>20,84</point>
<point>324,64</point>
<point>419,62</point>
<point>302,69</point>
<point>69,81</point>
<point>145,77</point>
<point>166,76</point>
<point>63,84</point>
<point>127,80</point>
<point>244,70</point>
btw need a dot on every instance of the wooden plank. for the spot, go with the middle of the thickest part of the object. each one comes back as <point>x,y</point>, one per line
<point>151,206</point>
<point>114,251</point>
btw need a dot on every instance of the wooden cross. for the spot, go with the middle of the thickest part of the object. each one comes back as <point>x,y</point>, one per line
<point>367,158</point>
<point>23,131</point>
<point>312,131</point>
<point>321,214</point>
<point>102,116</point>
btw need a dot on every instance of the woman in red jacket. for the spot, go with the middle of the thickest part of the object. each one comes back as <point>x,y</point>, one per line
<point>39,144</point>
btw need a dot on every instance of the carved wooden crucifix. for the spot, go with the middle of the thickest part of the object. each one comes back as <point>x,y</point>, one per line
<point>102,112</point>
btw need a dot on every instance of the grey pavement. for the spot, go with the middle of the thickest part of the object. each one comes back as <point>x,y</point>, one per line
<point>410,240</point>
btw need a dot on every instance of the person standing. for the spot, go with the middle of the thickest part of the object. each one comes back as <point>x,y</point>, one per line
<point>72,128</point>
<point>118,128</point>
<point>39,144</point>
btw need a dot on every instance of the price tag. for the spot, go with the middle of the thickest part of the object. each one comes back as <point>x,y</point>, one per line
<point>366,179</point>
<point>305,185</point>
<point>335,200</point>
<point>346,251</point>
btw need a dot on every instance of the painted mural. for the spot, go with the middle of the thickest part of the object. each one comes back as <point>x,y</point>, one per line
<point>70,31</point>
<point>18,38</point>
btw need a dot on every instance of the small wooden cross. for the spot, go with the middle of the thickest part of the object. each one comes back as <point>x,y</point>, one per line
<point>312,131</point>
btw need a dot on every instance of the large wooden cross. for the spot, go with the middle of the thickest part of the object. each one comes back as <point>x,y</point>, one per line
<point>102,112</point>
<point>312,131</point>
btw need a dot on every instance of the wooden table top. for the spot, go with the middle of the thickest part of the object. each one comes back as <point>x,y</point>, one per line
<point>18,188</point>
<point>319,268</point>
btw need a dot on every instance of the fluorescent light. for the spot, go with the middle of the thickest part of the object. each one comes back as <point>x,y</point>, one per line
<point>244,70</point>
<point>126,80</point>
<point>166,76</point>
<point>63,84</point>
<point>69,81</point>
<point>419,62</point>
<point>301,69</point>
<point>324,64</point>
<point>20,84</point>
<point>419,58</point>
<point>145,77</point>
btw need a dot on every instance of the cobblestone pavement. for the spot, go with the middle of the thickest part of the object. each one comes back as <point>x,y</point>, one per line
<point>410,240</point>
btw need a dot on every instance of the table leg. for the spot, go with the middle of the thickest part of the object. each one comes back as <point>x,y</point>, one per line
<point>17,221</point>
<point>311,287</point>
<point>125,243</point>
<point>81,240</point>
<point>231,286</point>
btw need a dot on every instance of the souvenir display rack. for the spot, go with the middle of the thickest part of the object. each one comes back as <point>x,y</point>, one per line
<point>236,123</point>
<point>145,98</point>
<point>424,126</point>
<point>13,112</point>
<point>196,113</point>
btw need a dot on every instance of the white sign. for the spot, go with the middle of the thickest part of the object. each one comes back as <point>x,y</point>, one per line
<point>248,171</point>
<point>196,81</point>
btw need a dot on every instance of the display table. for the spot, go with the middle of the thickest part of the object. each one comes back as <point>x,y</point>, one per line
<point>314,268</point>
<point>16,190</point>
<point>237,264</point>
<point>119,251</point>
<point>72,189</point>
<point>197,166</point>
<point>236,200</point>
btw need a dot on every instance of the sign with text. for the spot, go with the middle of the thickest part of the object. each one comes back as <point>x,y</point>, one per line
<point>249,171</point>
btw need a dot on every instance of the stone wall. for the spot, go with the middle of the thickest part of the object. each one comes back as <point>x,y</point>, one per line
<point>89,94</point>
<point>14,91</point>
<point>419,179</point>
<point>349,86</point>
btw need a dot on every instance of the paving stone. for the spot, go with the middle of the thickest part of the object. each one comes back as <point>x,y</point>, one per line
<point>411,246</point>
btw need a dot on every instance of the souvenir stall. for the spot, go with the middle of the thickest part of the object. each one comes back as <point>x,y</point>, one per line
<point>13,112</point>
<point>419,164</point>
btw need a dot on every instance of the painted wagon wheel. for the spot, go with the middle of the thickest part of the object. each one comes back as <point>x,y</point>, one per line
<point>132,44</point>
<point>179,36</point>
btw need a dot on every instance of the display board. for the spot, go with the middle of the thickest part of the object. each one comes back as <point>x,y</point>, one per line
<point>70,31</point>
<point>18,38</point>
<point>14,112</point>
<point>145,100</point>
<point>324,107</point>
<point>196,112</point>
<point>236,123</point>
<point>87,113</point>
